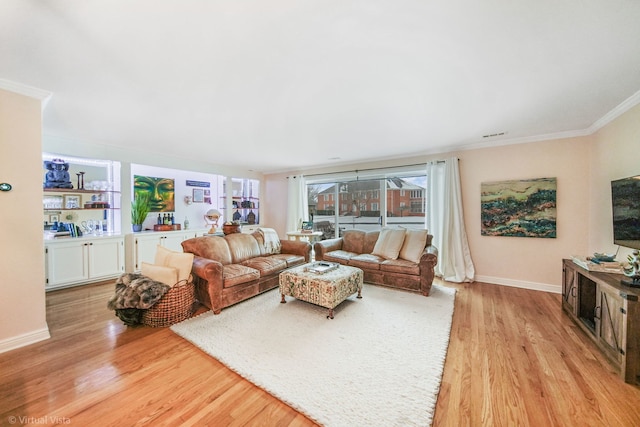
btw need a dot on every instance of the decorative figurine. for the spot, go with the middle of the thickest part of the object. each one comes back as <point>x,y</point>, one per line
<point>57,175</point>
<point>633,270</point>
<point>81,183</point>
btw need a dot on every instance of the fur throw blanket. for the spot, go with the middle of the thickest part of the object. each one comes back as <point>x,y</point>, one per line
<point>134,293</point>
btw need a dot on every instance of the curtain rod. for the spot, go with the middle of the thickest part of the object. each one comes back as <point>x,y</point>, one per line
<point>373,169</point>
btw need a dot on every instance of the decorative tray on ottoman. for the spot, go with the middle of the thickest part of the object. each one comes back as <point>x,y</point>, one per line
<point>321,267</point>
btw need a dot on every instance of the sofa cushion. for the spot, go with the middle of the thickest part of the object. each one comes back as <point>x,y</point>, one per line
<point>290,259</point>
<point>413,246</point>
<point>266,265</point>
<point>389,243</point>
<point>242,247</point>
<point>210,247</point>
<point>353,241</point>
<point>400,266</point>
<point>181,261</point>
<point>366,261</point>
<point>236,274</point>
<point>339,256</point>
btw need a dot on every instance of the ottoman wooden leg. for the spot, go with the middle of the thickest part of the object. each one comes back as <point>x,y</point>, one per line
<point>282,301</point>
<point>359,293</point>
<point>330,315</point>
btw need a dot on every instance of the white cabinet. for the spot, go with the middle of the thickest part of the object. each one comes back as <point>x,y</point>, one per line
<point>82,260</point>
<point>141,247</point>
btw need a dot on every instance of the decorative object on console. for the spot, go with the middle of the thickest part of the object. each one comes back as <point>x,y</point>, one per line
<point>140,208</point>
<point>633,270</point>
<point>72,201</point>
<point>211,219</point>
<point>57,175</point>
<point>251,218</point>
<point>80,180</point>
<point>231,227</point>
<point>524,208</point>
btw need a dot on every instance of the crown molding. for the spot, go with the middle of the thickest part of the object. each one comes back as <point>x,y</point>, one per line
<point>524,139</point>
<point>619,110</point>
<point>33,92</point>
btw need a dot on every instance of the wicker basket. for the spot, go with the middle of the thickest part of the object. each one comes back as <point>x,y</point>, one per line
<point>175,306</point>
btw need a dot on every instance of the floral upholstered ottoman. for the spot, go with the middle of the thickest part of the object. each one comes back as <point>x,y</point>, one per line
<point>324,289</point>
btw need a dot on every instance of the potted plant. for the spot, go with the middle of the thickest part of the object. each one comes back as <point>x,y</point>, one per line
<point>140,208</point>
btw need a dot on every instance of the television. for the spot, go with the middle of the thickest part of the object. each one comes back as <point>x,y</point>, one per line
<point>625,198</point>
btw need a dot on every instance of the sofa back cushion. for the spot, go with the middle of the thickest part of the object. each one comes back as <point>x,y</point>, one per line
<point>242,247</point>
<point>370,240</point>
<point>353,241</point>
<point>210,247</point>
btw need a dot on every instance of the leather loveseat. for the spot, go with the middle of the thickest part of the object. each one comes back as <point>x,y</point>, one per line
<point>407,262</point>
<point>239,266</point>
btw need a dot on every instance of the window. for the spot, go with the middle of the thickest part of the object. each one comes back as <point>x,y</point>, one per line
<point>394,198</point>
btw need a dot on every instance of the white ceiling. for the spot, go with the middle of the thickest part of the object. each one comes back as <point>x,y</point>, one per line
<point>283,84</point>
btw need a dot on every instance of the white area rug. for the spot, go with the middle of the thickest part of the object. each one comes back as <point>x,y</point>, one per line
<point>379,362</point>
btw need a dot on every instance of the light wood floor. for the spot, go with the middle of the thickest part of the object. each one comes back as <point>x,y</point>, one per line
<point>514,359</point>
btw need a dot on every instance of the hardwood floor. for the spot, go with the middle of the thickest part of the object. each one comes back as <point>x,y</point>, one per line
<point>514,359</point>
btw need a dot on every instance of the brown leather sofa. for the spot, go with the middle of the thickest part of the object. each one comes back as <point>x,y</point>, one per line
<point>239,266</point>
<point>355,249</point>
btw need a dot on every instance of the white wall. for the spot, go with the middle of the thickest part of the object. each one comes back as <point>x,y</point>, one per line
<point>523,261</point>
<point>22,301</point>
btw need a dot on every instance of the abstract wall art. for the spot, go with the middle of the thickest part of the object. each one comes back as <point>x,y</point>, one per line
<point>519,208</point>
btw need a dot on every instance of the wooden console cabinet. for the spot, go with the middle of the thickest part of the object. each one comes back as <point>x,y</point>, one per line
<point>608,312</point>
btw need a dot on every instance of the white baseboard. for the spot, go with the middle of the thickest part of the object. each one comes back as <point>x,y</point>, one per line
<point>25,339</point>
<point>556,289</point>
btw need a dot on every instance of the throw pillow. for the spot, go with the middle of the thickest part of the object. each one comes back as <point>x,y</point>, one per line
<point>413,246</point>
<point>389,243</point>
<point>159,273</point>
<point>179,260</point>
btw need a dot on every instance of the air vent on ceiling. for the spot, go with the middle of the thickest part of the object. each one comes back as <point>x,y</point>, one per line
<point>492,135</point>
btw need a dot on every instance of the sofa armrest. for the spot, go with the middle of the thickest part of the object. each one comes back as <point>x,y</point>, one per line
<point>209,281</point>
<point>428,262</point>
<point>324,246</point>
<point>296,247</point>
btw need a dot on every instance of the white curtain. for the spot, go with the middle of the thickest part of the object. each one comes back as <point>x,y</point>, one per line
<point>445,220</point>
<point>298,206</point>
